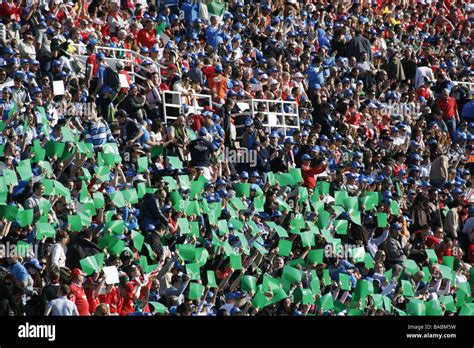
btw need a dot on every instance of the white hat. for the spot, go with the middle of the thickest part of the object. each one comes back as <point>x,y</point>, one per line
<point>139,177</point>
<point>298,75</point>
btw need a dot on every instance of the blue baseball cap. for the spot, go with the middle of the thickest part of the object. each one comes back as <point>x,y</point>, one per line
<point>58,63</point>
<point>306,157</point>
<point>244,175</point>
<point>323,138</point>
<point>254,174</point>
<point>8,50</point>
<point>274,134</point>
<point>203,132</point>
<point>220,181</point>
<point>395,226</point>
<point>248,122</point>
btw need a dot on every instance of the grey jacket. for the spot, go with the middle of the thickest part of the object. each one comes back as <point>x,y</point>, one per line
<point>394,251</point>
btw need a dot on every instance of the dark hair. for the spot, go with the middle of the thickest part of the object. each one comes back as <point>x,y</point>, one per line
<point>175,278</point>
<point>64,289</point>
<point>37,185</point>
<point>62,235</point>
<point>54,275</point>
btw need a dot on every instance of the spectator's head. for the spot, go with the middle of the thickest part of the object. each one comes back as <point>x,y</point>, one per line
<point>77,276</point>
<point>63,290</point>
<point>102,310</point>
<point>63,238</point>
<point>38,188</point>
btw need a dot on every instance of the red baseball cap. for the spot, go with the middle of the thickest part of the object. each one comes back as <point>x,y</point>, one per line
<point>172,66</point>
<point>77,271</point>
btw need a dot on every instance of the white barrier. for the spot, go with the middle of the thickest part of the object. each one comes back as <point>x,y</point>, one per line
<point>279,115</point>
<point>114,55</point>
<point>173,104</point>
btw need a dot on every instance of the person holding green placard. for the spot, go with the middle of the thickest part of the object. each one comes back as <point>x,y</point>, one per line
<point>150,213</point>
<point>395,251</point>
<point>35,200</point>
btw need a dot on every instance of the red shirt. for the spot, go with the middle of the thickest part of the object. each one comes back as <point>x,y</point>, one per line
<point>91,60</point>
<point>111,299</point>
<point>308,174</point>
<point>196,122</point>
<point>399,166</point>
<point>423,92</point>
<point>440,254</point>
<point>12,11</point>
<point>80,299</point>
<point>208,71</point>
<point>147,38</point>
<point>126,306</point>
<point>353,118</point>
<point>448,106</point>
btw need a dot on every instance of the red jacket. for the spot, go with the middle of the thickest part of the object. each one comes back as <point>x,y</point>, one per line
<point>308,174</point>
<point>12,11</point>
<point>79,297</point>
<point>147,38</point>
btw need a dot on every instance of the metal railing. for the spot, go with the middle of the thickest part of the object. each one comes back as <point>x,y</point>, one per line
<point>278,115</point>
<point>174,104</point>
<point>114,55</point>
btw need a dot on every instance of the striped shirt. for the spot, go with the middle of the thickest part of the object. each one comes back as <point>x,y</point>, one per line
<point>98,133</point>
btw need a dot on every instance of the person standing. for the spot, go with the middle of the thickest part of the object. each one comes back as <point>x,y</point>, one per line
<point>395,251</point>
<point>77,291</point>
<point>62,306</point>
<point>449,107</point>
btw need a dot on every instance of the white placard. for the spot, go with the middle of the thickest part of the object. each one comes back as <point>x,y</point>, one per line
<point>243,106</point>
<point>58,87</point>
<point>7,84</point>
<point>165,38</point>
<point>111,275</point>
<point>123,81</point>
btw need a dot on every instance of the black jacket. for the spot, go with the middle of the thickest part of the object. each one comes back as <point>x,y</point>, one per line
<point>358,45</point>
<point>150,210</point>
<point>79,249</point>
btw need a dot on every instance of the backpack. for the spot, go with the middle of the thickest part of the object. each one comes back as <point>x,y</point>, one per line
<point>112,78</point>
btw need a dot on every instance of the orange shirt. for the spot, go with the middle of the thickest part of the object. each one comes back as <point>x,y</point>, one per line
<point>219,83</point>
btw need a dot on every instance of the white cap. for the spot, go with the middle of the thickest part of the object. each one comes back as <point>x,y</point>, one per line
<point>139,177</point>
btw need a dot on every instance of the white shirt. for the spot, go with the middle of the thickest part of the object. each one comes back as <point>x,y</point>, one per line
<point>62,306</point>
<point>421,73</point>
<point>373,243</point>
<point>58,255</point>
